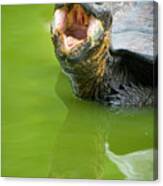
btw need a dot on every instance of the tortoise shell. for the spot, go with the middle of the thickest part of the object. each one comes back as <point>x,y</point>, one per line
<point>134,25</point>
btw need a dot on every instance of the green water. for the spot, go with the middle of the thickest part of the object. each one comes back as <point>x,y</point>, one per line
<point>46,131</point>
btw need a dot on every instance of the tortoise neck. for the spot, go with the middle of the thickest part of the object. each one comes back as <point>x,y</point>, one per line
<point>87,75</point>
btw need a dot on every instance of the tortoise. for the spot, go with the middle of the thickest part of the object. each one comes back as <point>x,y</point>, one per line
<point>108,50</point>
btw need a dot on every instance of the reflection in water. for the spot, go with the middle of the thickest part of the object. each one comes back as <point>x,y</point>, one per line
<point>132,164</point>
<point>80,151</point>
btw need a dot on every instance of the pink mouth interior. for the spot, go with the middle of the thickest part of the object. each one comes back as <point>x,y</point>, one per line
<point>77,31</point>
<point>73,24</point>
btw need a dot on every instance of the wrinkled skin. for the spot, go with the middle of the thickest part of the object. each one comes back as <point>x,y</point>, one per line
<point>104,70</point>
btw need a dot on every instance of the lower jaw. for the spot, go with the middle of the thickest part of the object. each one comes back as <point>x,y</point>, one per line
<point>70,43</point>
<point>76,54</point>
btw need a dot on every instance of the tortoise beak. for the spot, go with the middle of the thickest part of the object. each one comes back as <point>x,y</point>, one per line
<point>89,7</point>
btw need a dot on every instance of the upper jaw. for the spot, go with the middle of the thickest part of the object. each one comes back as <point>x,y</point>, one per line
<point>98,10</point>
<point>95,9</point>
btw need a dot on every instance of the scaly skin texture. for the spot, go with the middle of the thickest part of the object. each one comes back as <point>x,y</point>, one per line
<point>87,76</point>
<point>111,77</point>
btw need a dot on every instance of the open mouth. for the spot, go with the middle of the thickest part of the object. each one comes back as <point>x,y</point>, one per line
<point>75,26</point>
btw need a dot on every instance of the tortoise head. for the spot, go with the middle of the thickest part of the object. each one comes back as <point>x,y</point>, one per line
<point>77,29</point>
<point>80,34</point>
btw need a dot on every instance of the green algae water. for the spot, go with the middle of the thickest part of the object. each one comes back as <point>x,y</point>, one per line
<point>46,131</point>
